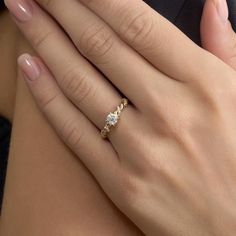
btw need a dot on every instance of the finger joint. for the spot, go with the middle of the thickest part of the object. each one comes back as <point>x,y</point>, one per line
<point>47,98</point>
<point>76,85</point>
<point>137,28</point>
<point>71,133</point>
<point>41,39</point>
<point>96,43</point>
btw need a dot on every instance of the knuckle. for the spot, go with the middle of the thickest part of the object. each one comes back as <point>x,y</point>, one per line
<point>136,28</point>
<point>217,95</point>
<point>71,134</point>
<point>47,97</point>
<point>223,98</point>
<point>185,125</point>
<point>96,42</point>
<point>225,90</point>
<point>179,118</point>
<point>76,85</point>
<point>175,121</point>
<point>41,38</point>
<point>128,191</point>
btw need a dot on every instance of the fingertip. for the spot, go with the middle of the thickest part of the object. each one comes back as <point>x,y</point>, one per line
<point>210,22</point>
<point>20,9</point>
<point>30,66</point>
<point>223,10</point>
<point>217,36</point>
<point>216,11</point>
<point>215,33</point>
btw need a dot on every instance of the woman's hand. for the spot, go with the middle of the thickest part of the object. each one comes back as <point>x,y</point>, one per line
<point>170,164</point>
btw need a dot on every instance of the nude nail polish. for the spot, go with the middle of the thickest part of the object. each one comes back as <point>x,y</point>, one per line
<point>21,9</point>
<point>223,11</point>
<point>29,67</point>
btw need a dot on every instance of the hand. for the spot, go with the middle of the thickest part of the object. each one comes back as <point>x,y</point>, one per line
<point>170,163</point>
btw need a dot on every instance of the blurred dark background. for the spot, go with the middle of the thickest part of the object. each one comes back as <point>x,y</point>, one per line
<point>1,4</point>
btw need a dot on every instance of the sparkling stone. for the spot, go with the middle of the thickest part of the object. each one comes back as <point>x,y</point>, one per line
<point>112,119</point>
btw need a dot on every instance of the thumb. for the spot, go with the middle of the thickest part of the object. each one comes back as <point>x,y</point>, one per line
<point>217,34</point>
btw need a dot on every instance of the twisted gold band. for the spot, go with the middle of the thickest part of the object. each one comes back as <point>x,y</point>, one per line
<point>113,118</point>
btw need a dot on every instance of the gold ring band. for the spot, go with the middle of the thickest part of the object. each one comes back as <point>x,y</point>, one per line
<point>113,118</point>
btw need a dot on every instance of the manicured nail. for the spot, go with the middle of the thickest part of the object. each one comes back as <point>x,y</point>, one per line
<point>223,11</point>
<point>29,67</point>
<point>21,9</point>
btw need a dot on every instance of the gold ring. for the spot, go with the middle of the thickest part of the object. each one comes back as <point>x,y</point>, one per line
<point>113,118</point>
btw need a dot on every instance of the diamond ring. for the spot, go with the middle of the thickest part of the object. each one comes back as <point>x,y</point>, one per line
<point>113,118</point>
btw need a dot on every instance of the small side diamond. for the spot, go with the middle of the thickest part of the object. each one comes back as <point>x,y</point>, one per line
<point>112,119</point>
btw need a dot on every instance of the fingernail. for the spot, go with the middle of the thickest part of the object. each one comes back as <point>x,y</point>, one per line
<point>223,11</point>
<point>29,67</point>
<point>21,9</point>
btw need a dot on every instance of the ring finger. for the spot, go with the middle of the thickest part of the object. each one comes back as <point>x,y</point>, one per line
<point>71,125</point>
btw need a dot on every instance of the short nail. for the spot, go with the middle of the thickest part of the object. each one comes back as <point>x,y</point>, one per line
<point>223,11</point>
<point>29,67</point>
<point>21,9</point>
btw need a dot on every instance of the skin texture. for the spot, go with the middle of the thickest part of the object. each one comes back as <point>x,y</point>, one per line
<point>8,41</point>
<point>48,190</point>
<point>43,146</point>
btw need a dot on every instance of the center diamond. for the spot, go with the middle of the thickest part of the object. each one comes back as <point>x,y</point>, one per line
<point>112,119</point>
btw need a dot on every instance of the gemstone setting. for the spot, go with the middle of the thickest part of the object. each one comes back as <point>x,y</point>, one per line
<point>112,119</point>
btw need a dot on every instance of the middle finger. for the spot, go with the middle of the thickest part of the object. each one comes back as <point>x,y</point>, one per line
<point>123,66</point>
